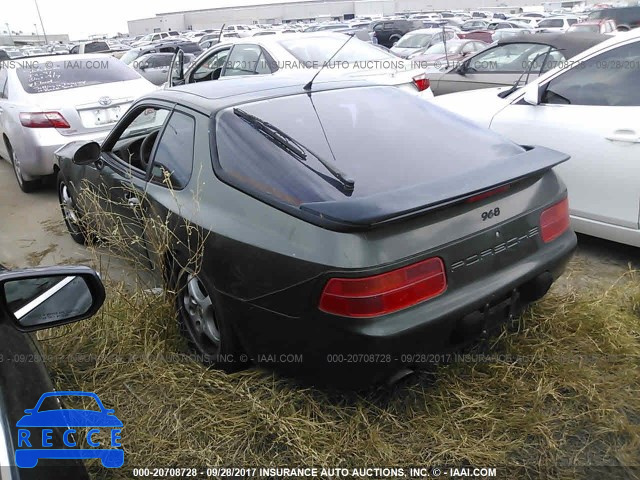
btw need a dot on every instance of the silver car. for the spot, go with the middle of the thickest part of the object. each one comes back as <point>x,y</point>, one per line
<point>47,102</point>
<point>155,66</point>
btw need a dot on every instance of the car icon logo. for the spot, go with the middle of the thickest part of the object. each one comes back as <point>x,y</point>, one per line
<point>105,101</point>
<point>36,440</point>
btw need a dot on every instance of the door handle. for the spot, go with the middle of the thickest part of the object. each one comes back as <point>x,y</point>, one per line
<point>627,136</point>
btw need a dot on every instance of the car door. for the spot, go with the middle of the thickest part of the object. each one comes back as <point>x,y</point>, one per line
<point>171,170</point>
<point>592,112</point>
<point>496,66</point>
<point>158,70</point>
<point>119,178</point>
<point>4,98</point>
<point>247,59</point>
<point>210,66</point>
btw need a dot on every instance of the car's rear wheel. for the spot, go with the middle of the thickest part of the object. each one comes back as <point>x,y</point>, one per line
<point>203,324</point>
<point>70,212</point>
<point>27,186</point>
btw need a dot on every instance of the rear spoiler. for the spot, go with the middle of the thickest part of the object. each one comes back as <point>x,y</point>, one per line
<point>418,199</point>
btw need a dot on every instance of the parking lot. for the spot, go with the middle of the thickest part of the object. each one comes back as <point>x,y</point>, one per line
<point>326,247</point>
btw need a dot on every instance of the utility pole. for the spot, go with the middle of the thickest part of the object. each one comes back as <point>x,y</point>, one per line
<point>10,36</point>
<point>37,34</point>
<point>41,24</point>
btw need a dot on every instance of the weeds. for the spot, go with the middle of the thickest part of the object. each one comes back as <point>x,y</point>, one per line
<point>564,391</point>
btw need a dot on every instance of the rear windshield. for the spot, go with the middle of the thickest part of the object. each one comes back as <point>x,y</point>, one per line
<point>42,77</point>
<point>350,128</point>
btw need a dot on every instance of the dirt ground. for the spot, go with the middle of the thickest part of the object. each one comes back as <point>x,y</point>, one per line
<point>33,234</point>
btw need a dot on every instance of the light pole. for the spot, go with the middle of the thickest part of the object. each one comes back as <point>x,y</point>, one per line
<point>41,24</point>
<point>37,34</point>
<point>9,30</point>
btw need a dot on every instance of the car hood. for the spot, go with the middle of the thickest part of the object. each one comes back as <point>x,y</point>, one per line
<point>69,418</point>
<point>479,106</point>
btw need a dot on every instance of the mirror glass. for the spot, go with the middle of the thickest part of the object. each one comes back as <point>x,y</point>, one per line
<point>47,300</point>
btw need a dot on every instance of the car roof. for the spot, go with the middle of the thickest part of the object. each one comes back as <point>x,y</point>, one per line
<point>210,97</point>
<point>572,42</point>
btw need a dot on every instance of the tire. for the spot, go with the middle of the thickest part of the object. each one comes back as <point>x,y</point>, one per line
<point>70,212</point>
<point>203,324</point>
<point>27,186</point>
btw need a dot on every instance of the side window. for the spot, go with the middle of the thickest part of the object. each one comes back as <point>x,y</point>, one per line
<point>162,61</point>
<point>148,61</point>
<point>95,47</point>
<point>378,27</point>
<point>610,79</point>
<point>134,144</point>
<point>211,68</point>
<point>243,60</point>
<point>173,159</point>
<point>571,21</point>
<point>513,57</point>
<point>388,26</point>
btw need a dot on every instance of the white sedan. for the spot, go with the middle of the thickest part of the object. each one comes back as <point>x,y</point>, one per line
<point>590,109</point>
<point>307,53</point>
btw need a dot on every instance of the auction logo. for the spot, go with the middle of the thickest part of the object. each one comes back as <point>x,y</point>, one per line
<point>41,428</point>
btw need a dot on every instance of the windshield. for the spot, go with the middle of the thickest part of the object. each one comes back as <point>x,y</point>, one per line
<point>130,56</point>
<point>417,40</point>
<point>315,51</point>
<point>147,38</point>
<point>53,76</point>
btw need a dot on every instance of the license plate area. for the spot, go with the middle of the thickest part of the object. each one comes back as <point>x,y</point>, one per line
<point>98,117</point>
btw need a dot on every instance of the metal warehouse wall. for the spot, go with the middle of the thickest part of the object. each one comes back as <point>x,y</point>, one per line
<point>278,12</point>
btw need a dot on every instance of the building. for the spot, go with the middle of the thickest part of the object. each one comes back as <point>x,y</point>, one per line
<point>20,40</point>
<point>302,10</point>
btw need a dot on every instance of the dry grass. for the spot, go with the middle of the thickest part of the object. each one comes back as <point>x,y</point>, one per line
<point>564,391</point>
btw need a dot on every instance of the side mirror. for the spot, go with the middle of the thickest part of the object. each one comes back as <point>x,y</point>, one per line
<point>143,66</point>
<point>462,69</point>
<point>81,153</point>
<point>177,69</point>
<point>534,93</point>
<point>40,298</point>
<point>394,43</point>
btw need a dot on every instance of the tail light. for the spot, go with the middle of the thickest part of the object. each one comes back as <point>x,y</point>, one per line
<point>43,120</point>
<point>554,221</point>
<point>385,293</point>
<point>421,82</point>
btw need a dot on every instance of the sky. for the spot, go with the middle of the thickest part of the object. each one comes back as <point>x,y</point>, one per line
<point>80,18</point>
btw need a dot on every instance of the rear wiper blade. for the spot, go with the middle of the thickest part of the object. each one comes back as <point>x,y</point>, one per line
<point>292,146</point>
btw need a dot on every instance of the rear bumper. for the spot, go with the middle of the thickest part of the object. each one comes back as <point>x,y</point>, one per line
<point>354,352</point>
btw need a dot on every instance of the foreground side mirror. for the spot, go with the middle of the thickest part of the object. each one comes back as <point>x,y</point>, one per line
<point>81,153</point>
<point>533,94</point>
<point>39,298</point>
